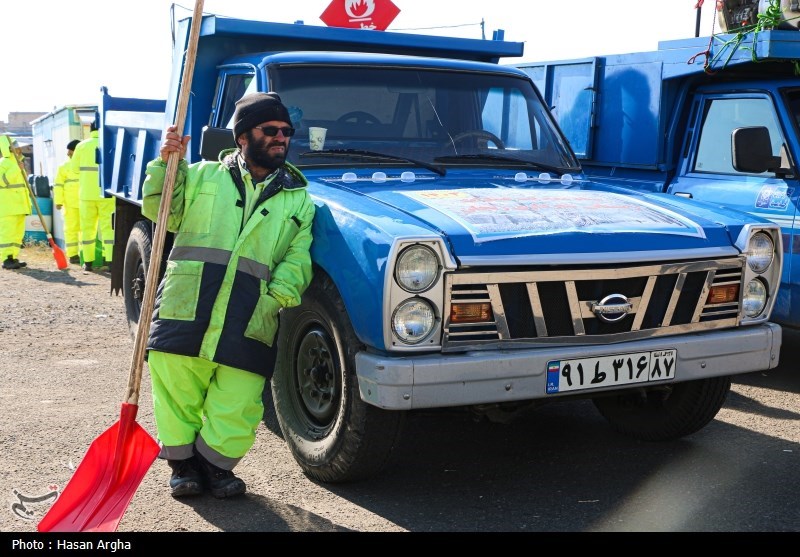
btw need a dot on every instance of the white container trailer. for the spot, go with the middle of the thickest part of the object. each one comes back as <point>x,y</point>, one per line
<point>51,134</point>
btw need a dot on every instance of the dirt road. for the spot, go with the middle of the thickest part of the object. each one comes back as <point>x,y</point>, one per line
<point>64,366</point>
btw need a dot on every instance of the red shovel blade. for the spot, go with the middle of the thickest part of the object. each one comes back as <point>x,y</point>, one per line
<point>97,496</point>
<point>58,254</point>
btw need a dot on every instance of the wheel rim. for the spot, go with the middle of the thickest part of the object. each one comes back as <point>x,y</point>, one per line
<point>315,377</point>
<point>137,285</point>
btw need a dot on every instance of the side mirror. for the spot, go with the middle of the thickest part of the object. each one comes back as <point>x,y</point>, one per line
<point>214,140</point>
<point>751,150</point>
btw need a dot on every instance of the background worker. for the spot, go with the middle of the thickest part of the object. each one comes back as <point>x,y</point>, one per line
<point>15,203</point>
<point>240,253</point>
<point>66,195</point>
<point>96,210</point>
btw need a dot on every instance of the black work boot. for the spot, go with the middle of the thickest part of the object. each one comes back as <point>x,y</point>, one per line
<point>186,480</point>
<point>220,482</point>
<point>75,260</point>
<point>87,267</point>
<point>11,263</point>
<point>21,263</point>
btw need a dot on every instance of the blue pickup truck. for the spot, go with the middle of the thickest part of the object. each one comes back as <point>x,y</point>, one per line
<point>462,259</point>
<point>715,119</point>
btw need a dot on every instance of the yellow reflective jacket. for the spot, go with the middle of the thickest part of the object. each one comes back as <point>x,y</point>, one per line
<point>84,164</point>
<point>14,196</point>
<point>65,190</point>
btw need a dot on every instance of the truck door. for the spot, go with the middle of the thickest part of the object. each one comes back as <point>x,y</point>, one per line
<point>706,173</point>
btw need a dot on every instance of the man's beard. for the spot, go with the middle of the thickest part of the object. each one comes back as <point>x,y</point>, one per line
<point>257,152</point>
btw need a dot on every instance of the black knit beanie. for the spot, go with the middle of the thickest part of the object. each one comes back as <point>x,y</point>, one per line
<point>72,144</point>
<point>255,108</point>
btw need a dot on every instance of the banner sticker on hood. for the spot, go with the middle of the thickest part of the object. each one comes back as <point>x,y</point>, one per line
<point>495,214</point>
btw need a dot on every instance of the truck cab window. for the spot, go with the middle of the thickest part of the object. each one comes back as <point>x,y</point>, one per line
<point>793,101</point>
<point>722,116</point>
<point>234,88</point>
<point>506,115</point>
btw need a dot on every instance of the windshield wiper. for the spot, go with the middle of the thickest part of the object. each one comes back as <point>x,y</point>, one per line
<point>504,158</point>
<point>373,155</point>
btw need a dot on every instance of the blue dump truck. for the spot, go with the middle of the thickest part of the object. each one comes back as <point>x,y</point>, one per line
<point>715,119</point>
<point>462,259</point>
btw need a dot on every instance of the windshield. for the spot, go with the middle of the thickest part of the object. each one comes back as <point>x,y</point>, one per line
<point>793,100</point>
<point>430,116</point>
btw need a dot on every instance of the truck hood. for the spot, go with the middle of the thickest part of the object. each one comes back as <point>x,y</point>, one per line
<point>557,223</point>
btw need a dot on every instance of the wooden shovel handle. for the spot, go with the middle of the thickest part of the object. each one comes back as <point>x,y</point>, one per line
<point>151,281</point>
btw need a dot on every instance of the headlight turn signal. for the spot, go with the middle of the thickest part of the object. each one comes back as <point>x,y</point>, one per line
<point>471,313</point>
<point>723,294</point>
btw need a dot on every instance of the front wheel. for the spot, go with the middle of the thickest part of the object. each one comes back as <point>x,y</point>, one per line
<point>134,272</point>
<point>333,435</point>
<point>667,413</point>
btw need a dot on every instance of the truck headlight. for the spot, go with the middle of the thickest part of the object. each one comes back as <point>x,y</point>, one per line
<point>760,252</point>
<point>413,320</point>
<point>755,298</point>
<point>417,268</point>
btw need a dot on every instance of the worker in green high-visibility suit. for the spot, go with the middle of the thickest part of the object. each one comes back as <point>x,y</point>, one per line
<point>15,203</point>
<point>240,253</point>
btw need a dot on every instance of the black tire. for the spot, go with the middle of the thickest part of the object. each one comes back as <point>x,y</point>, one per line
<point>333,435</point>
<point>665,414</point>
<point>134,273</point>
<point>270,418</point>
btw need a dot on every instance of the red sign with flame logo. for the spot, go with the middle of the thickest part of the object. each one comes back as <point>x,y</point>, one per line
<point>360,14</point>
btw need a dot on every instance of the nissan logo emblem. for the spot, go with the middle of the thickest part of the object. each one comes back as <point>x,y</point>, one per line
<point>612,308</point>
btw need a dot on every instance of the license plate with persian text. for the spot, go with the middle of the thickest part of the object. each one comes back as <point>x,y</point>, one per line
<point>608,371</point>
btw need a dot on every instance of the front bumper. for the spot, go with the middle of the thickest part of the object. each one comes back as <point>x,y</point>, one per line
<point>496,376</point>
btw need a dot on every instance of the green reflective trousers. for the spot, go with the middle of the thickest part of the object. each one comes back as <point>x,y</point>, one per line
<point>199,403</point>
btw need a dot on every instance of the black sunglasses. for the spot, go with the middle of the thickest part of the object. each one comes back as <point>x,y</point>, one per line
<point>273,130</point>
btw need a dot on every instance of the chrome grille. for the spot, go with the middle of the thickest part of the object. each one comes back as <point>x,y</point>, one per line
<point>556,306</point>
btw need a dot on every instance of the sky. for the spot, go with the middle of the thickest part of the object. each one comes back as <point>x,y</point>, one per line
<point>67,50</point>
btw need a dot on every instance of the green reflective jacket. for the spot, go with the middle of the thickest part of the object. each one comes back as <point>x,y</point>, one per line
<point>227,277</point>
